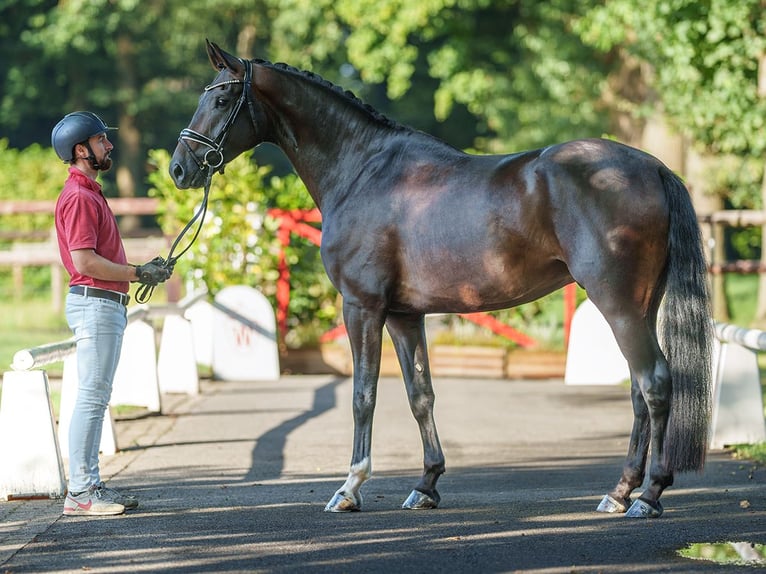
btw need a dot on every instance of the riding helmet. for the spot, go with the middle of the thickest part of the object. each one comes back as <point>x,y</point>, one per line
<point>75,128</point>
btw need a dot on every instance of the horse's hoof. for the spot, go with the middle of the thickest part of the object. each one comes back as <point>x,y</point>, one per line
<point>420,501</point>
<point>643,509</point>
<point>344,502</point>
<point>612,505</point>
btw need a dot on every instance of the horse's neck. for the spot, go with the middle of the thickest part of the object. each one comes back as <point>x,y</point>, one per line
<point>322,133</point>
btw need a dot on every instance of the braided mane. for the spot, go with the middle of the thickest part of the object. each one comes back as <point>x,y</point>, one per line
<point>346,94</point>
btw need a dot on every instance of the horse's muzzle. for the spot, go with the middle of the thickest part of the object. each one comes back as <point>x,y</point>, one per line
<point>185,178</point>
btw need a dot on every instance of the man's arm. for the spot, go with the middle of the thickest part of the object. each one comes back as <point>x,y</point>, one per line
<point>88,262</point>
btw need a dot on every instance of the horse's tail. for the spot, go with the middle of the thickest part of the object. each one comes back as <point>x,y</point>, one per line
<point>686,333</point>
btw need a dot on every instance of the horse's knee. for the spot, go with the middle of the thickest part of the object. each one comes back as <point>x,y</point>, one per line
<point>422,404</point>
<point>364,404</point>
<point>657,388</point>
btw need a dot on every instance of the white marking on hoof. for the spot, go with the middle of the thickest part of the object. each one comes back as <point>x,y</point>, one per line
<point>611,505</point>
<point>342,502</point>
<point>642,509</point>
<point>348,498</point>
<point>419,501</point>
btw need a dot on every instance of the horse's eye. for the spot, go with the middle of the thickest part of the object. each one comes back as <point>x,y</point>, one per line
<point>221,102</point>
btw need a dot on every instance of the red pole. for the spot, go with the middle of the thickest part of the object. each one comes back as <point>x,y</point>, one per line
<point>283,281</point>
<point>570,305</point>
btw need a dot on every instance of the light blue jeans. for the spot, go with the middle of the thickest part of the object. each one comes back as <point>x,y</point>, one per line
<point>98,326</point>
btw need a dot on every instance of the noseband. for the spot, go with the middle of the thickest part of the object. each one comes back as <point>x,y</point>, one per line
<point>213,157</point>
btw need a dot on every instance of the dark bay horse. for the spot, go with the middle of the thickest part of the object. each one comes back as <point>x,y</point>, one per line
<point>411,226</point>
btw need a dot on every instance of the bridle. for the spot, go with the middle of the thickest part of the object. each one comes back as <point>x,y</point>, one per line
<point>211,162</point>
<point>213,158</point>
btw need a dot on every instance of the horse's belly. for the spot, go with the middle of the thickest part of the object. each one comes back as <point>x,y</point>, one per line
<point>467,288</point>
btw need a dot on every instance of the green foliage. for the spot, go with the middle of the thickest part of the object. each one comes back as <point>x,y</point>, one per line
<point>754,452</point>
<point>238,243</point>
<point>32,173</point>
<point>705,59</point>
<point>517,67</point>
<point>724,553</point>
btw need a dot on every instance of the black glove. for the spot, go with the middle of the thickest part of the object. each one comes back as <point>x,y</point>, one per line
<point>154,272</point>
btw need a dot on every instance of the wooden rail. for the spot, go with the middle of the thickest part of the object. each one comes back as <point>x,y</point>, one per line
<point>119,206</point>
<point>28,250</point>
<point>735,217</point>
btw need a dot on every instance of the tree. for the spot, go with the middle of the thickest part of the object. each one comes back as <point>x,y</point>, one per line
<point>517,66</point>
<point>703,61</point>
<point>139,65</point>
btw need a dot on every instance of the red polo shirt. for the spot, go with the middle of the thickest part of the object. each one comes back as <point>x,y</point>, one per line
<point>85,221</point>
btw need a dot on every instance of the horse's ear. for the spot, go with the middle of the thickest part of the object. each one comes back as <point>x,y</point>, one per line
<point>220,59</point>
<point>214,55</point>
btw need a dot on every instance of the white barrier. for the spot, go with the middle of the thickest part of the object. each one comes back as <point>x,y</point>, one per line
<point>200,314</point>
<point>30,459</point>
<point>244,336</point>
<point>593,357</point>
<point>737,400</point>
<point>135,381</point>
<point>177,366</point>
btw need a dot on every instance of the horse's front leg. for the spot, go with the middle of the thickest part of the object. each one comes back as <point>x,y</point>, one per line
<point>364,329</point>
<point>408,334</point>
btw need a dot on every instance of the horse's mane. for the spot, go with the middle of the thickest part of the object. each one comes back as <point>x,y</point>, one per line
<point>346,94</point>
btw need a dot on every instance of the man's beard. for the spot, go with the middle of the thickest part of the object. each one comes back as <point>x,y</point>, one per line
<point>104,165</point>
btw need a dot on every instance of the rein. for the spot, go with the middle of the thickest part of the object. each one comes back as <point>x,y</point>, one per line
<point>211,162</point>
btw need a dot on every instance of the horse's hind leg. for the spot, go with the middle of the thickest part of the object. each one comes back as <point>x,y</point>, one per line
<point>408,334</point>
<point>651,394</point>
<point>618,500</point>
<point>365,329</point>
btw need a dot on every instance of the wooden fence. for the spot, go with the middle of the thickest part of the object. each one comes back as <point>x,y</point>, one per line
<point>39,248</point>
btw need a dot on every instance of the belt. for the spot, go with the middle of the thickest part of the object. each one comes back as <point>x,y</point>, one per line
<point>88,291</point>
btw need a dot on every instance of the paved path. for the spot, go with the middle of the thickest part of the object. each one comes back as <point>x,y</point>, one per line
<point>236,479</point>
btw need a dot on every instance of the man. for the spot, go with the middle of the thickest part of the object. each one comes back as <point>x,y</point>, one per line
<point>92,252</point>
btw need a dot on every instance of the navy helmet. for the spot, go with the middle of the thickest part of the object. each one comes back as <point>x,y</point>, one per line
<point>75,128</point>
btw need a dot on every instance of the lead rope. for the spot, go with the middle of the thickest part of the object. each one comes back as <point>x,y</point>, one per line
<point>144,292</point>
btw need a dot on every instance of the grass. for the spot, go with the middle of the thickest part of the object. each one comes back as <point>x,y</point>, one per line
<point>741,295</point>
<point>28,323</point>
<point>753,452</point>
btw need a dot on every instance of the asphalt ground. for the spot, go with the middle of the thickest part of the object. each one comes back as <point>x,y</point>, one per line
<point>236,480</point>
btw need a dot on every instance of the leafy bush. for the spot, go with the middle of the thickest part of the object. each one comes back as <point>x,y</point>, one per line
<point>32,173</point>
<point>238,242</point>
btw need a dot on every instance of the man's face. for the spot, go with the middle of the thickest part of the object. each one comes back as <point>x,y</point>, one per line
<point>102,147</point>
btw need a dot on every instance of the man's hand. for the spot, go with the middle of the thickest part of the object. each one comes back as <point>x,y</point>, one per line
<point>155,272</point>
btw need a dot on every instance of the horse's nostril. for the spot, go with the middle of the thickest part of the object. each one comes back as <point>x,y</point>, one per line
<point>177,171</point>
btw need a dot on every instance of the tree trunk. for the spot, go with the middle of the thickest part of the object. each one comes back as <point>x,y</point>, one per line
<point>130,164</point>
<point>706,203</point>
<point>760,309</point>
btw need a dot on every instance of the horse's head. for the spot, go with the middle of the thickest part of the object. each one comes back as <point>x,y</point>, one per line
<point>228,121</point>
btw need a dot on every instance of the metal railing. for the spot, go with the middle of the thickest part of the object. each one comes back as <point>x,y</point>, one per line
<point>34,357</point>
<point>753,339</point>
